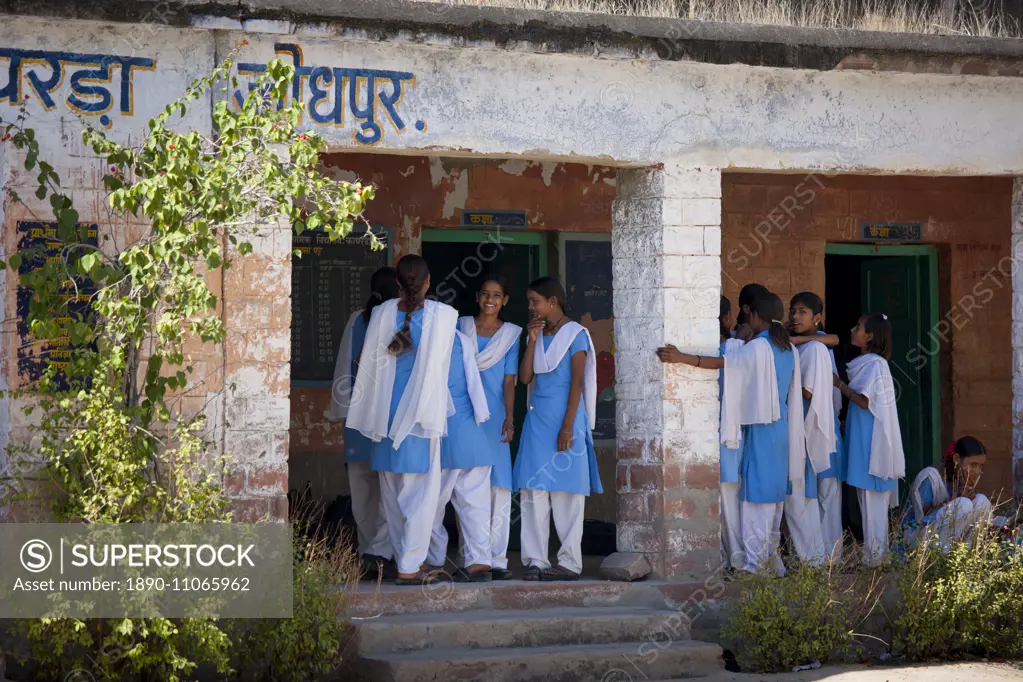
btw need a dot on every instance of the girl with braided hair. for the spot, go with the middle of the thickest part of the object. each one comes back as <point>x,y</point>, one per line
<point>403,408</point>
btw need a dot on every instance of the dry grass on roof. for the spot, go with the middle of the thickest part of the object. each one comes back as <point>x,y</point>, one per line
<point>945,17</point>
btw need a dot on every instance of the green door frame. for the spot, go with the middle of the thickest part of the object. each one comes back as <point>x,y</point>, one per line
<point>930,253</point>
<point>537,239</point>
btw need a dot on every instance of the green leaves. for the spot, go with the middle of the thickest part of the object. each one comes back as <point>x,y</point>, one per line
<point>120,435</point>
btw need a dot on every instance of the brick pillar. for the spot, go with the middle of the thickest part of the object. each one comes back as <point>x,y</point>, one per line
<point>257,375</point>
<point>1017,337</point>
<point>666,244</point>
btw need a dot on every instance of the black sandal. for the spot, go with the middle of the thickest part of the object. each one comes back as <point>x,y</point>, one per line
<point>463,576</point>
<point>558,573</point>
<point>500,574</point>
<point>531,573</point>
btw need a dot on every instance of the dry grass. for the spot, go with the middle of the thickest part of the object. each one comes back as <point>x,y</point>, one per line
<point>949,17</point>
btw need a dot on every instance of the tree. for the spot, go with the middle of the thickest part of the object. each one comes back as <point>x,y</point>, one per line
<point>110,446</point>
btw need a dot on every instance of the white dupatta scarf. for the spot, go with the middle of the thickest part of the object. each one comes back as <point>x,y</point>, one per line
<point>938,490</point>
<point>547,361</point>
<point>341,388</point>
<point>426,403</point>
<point>472,379</point>
<point>751,397</point>
<point>869,375</point>
<point>498,346</point>
<point>819,423</point>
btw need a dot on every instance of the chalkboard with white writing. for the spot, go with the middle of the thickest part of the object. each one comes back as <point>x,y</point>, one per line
<point>39,243</point>
<point>329,281</point>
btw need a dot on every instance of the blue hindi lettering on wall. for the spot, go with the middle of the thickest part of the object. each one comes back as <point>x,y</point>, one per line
<point>330,94</point>
<point>39,243</point>
<point>90,90</point>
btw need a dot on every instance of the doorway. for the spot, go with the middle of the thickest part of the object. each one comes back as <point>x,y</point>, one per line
<point>902,282</point>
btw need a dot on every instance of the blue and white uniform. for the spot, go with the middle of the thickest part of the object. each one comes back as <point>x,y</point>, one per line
<point>367,506</point>
<point>874,456</point>
<point>761,382</point>
<point>802,510</point>
<point>403,408</point>
<point>552,482</point>
<point>949,518</point>
<point>497,358</point>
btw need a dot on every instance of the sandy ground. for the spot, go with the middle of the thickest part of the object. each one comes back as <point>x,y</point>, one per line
<point>958,672</point>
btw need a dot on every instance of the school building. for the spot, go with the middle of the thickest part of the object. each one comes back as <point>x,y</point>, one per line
<point>651,164</point>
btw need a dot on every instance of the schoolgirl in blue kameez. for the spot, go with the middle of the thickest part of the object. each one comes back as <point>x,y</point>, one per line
<point>556,466</point>
<point>404,407</point>
<point>371,527</point>
<point>761,381</point>
<point>874,458</point>
<point>497,357</point>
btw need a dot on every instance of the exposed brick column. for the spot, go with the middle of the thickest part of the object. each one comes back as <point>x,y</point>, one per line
<point>257,375</point>
<point>1017,338</point>
<point>666,241</point>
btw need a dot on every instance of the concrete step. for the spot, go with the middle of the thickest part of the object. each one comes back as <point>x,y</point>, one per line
<point>564,663</point>
<point>371,600</point>
<point>495,629</point>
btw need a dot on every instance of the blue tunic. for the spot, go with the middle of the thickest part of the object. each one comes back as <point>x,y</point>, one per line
<point>926,498</point>
<point>413,457</point>
<point>357,446</point>
<point>493,387</point>
<point>539,465</point>
<point>859,427</point>
<point>465,446</point>
<point>838,458</point>
<point>765,461</point>
<point>731,459</point>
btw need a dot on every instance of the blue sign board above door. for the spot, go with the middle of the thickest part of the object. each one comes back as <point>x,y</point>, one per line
<point>891,232</point>
<point>515,219</point>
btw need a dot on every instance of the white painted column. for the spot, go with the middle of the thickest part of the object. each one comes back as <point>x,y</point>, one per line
<point>666,244</point>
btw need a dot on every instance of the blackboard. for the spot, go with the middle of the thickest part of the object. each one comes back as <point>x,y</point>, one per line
<point>38,242</point>
<point>329,281</point>
<point>586,274</point>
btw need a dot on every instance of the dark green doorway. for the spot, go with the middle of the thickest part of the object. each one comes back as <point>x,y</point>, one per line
<point>901,282</point>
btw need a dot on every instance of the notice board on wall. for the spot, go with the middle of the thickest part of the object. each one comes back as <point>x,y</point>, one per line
<point>329,281</point>
<point>38,242</point>
<point>585,268</point>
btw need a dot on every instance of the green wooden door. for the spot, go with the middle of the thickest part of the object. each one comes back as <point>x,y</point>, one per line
<point>898,287</point>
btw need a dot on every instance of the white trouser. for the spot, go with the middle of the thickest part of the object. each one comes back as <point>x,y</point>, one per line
<point>469,492</point>
<point>368,510</point>
<point>804,521</point>
<point>761,532</point>
<point>537,508</point>
<point>829,497</point>
<point>874,513</point>
<point>952,520</point>
<point>410,505</point>
<point>731,527</point>
<point>500,526</point>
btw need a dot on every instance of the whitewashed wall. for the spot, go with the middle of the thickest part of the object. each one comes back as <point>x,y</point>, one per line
<point>488,101</point>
